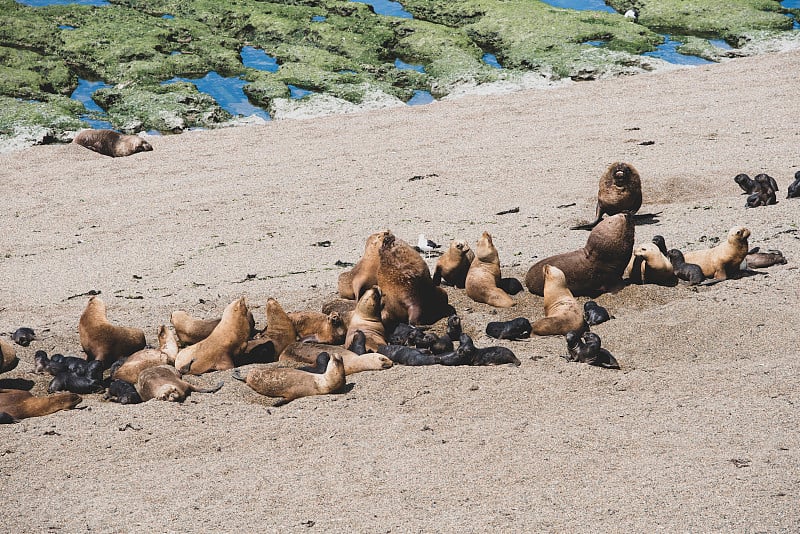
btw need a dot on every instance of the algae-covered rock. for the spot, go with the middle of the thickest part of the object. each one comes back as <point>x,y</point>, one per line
<point>28,122</point>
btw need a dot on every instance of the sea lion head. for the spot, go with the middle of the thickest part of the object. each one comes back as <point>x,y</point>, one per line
<point>461,246</point>
<point>137,144</point>
<point>738,234</point>
<point>485,249</point>
<point>388,241</point>
<point>623,174</point>
<point>554,275</point>
<point>370,304</point>
<point>646,250</point>
<point>612,237</point>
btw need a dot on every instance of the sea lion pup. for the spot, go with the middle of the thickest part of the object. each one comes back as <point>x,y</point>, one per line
<point>111,143</point>
<point>104,341</point>
<point>367,318</point>
<point>765,181</point>
<point>688,272</point>
<point>594,314</point>
<point>794,188</point>
<point>191,330</point>
<point>649,266</point>
<point>745,183</point>
<point>435,344</point>
<point>484,275</point>
<point>319,327</point>
<point>411,356</point>
<point>23,336</point>
<point>620,191</point>
<point>137,362</point>
<point>453,265</point>
<point>660,242</point>
<point>469,354</point>
<point>587,349</point>
<point>756,259</point>
<point>454,327</point>
<point>290,384</point>
<point>21,404</point>
<point>364,273</point>
<point>218,350</point>
<point>408,293</point>
<point>761,198</point>
<point>353,362</point>
<point>67,364</point>
<point>73,383</point>
<point>598,266</point>
<point>8,353</point>
<point>725,259</point>
<point>122,392</point>
<point>359,343</point>
<point>519,328</point>
<point>510,285</point>
<point>406,334</point>
<point>562,312</point>
<point>164,382</point>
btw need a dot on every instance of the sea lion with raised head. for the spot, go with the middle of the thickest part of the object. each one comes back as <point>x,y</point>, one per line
<point>278,333</point>
<point>747,184</point>
<point>484,277</point>
<point>364,273</point>
<point>452,266</point>
<point>562,312</point>
<point>290,384</point>
<point>408,293</point>
<point>111,143</point>
<point>598,266</point>
<point>104,341</point>
<point>319,327</point>
<point>649,266</point>
<point>586,348</point>
<point>226,342</point>
<point>137,362</point>
<point>688,272</point>
<point>191,330</point>
<point>367,318</point>
<point>724,260</point>
<point>353,362</point>
<point>164,382</point>
<point>620,191</point>
<point>21,404</point>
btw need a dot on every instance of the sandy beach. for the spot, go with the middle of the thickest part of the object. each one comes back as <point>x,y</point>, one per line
<point>697,432</point>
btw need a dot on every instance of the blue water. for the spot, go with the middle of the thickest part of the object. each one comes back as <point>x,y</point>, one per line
<point>581,5</point>
<point>255,58</point>
<point>296,93</point>
<point>318,18</point>
<point>668,52</point>
<point>227,92</point>
<point>595,43</point>
<point>720,43</point>
<point>402,65</point>
<point>83,94</point>
<point>43,3</point>
<point>491,60</point>
<point>386,7</point>
<point>66,27</point>
<point>420,98</point>
<point>168,17</point>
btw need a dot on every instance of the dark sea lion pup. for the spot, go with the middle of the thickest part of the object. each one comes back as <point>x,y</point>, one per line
<point>620,191</point>
<point>587,349</point>
<point>794,187</point>
<point>411,356</point>
<point>67,381</point>
<point>688,272</point>
<point>469,354</point>
<point>23,336</point>
<point>756,259</point>
<point>598,266</point>
<point>519,328</point>
<point>111,143</point>
<point>745,183</point>
<point>594,314</point>
<point>122,392</point>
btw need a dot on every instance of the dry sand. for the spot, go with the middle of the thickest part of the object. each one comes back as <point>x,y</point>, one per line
<point>697,432</point>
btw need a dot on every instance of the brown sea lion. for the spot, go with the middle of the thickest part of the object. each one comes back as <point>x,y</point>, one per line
<point>8,356</point>
<point>598,266</point>
<point>484,275</point>
<point>363,275</point>
<point>279,331</point>
<point>104,341</point>
<point>649,266</point>
<point>367,318</point>
<point>562,312</point>
<point>289,384</point>
<point>137,362</point>
<point>21,404</point>
<point>453,265</point>
<point>218,350</point>
<point>353,363</point>
<point>409,295</point>
<point>725,259</point>
<point>164,382</point>
<point>757,259</point>
<point>111,143</point>
<point>620,191</point>
<point>319,327</point>
<point>191,330</point>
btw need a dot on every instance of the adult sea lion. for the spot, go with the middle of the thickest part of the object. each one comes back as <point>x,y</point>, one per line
<point>725,259</point>
<point>452,266</point>
<point>367,319</point>
<point>218,350</point>
<point>289,384</point>
<point>598,266</point>
<point>649,266</point>
<point>111,143</point>
<point>562,312</point>
<point>137,362</point>
<point>353,362</point>
<point>363,275</point>
<point>104,341</point>
<point>620,190</point>
<point>8,356</point>
<point>21,404</point>
<point>484,277</point>
<point>164,382</point>
<point>191,330</point>
<point>319,327</point>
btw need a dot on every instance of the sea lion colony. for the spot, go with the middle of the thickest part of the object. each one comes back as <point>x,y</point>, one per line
<point>388,302</point>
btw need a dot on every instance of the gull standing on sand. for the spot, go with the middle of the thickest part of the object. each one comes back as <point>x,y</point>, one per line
<point>426,245</point>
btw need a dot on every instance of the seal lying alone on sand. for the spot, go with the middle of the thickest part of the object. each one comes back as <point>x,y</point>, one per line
<point>111,143</point>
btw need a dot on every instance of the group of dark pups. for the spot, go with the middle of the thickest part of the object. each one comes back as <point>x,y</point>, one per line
<point>762,189</point>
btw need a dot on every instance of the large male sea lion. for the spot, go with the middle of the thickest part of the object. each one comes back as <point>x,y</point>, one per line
<point>363,275</point>
<point>104,341</point>
<point>408,292</point>
<point>21,404</point>
<point>620,190</point>
<point>725,259</point>
<point>111,143</point>
<point>562,312</point>
<point>218,350</point>
<point>453,265</point>
<point>483,276</point>
<point>598,266</point>
<point>289,384</point>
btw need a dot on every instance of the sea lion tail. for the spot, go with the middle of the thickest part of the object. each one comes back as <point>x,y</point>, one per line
<point>213,389</point>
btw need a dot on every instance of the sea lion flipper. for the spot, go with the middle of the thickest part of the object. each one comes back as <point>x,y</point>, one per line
<point>212,389</point>
<point>186,368</point>
<point>236,375</point>
<point>586,226</point>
